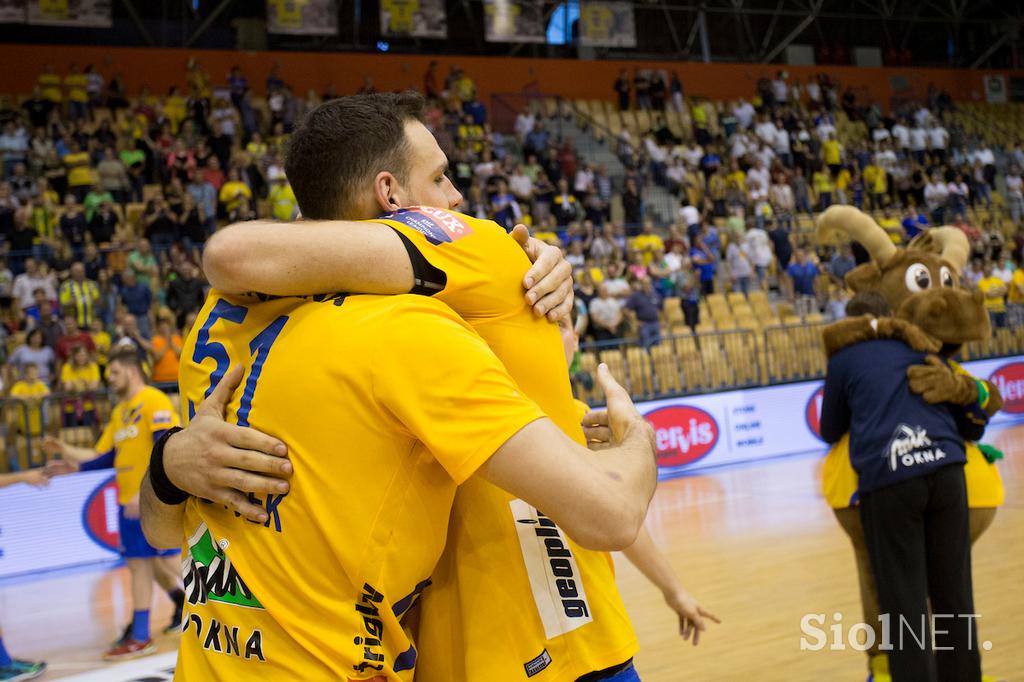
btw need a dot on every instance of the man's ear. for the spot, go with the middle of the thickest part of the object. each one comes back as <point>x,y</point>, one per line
<point>385,186</point>
<point>863,277</point>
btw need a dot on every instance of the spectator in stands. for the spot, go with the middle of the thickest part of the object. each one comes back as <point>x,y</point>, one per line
<point>606,318</point>
<point>72,337</point>
<point>704,263</point>
<point>31,389</point>
<point>936,196</point>
<point>645,302</point>
<point>565,208</point>
<point>803,274</point>
<point>841,263</point>
<point>164,349</point>
<point>994,290</point>
<point>632,207</point>
<point>80,377</point>
<point>35,352</point>
<point>740,267</point>
<point>49,324</point>
<point>137,298</point>
<point>1015,193</point>
<point>79,296</point>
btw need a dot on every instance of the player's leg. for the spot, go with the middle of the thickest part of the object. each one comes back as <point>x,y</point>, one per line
<point>893,520</point>
<point>13,669</point>
<point>139,555</point>
<point>166,571</point>
<point>948,540</point>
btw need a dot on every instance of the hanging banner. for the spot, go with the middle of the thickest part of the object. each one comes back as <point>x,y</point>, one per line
<point>415,18</point>
<point>87,13</point>
<point>995,89</point>
<point>514,21</point>
<point>302,17</point>
<point>12,11</point>
<point>607,24</point>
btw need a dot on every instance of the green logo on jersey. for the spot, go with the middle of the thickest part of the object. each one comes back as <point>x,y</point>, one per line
<point>211,576</point>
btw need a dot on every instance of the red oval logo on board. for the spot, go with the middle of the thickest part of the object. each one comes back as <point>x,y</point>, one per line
<point>99,515</point>
<point>813,411</point>
<point>1009,379</point>
<point>682,434</point>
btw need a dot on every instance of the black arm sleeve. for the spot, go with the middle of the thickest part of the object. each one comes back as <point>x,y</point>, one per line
<point>427,280</point>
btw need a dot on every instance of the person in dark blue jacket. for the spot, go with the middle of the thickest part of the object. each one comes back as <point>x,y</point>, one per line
<point>909,456</point>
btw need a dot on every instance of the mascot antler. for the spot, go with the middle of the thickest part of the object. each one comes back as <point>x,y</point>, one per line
<point>841,223</point>
<point>952,245</point>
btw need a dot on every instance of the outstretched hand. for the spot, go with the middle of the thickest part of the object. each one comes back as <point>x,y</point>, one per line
<point>691,615</point>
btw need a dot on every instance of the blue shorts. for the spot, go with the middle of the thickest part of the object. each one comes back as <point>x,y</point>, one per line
<point>133,541</point>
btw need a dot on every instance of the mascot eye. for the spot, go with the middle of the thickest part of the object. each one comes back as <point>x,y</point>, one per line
<point>946,278</point>
<point>918,278</point>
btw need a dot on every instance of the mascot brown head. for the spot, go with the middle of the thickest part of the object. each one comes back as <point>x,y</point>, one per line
<point>921,282</point>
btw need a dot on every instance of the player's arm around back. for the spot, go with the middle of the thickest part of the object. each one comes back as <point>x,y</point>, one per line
<point>599,498</point>
<point>446,386</point>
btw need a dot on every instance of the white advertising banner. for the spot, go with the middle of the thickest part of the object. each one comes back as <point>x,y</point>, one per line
<point>73,521</point>
<point>702,431</point>
<point>70,522</point>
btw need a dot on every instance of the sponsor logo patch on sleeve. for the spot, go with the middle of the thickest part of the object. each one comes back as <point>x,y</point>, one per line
<point>162,417</point>
<point>437,225</point>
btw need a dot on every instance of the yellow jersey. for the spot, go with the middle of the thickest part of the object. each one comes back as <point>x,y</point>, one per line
<point>75,84</point>
<point>387,403</point>
<point>511,592</point>
<point>79,172</point>
<point>135,425</point>
<point>830,152</point>
<point>1016,284</point>
<point>49,86</point>
<point>34,392</point>
<point>647,244</point>
<point>89,374</point>
<point>996,304</point>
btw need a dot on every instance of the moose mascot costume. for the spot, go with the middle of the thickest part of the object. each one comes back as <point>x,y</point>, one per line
<point>904,478</point>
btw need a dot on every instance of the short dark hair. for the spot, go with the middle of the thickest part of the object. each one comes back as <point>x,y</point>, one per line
<point>868,303</point>
<point>127,357</point>
<point>344,143</point>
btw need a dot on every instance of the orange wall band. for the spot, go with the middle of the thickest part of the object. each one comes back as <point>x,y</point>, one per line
<point>159,68</point>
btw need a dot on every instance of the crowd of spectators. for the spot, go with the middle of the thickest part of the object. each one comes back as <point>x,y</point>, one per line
<point>747,174</point>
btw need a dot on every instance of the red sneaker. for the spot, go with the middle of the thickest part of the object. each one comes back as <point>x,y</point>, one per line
<point>129,648</point>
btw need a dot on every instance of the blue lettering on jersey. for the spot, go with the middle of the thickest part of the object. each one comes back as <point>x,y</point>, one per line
<point>437,225</point>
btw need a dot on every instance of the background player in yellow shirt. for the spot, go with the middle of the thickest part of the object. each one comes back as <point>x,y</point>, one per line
<point>139,419</point>
<point>483,543</point>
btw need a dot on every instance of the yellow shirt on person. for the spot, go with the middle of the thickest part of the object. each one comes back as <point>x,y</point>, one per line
<point>382,423</point>
<point>511,591</point>
<point>283,204</point>
<point>79,172</point>
<point>76,86</point>
<point>647,244</point>
<point>101,340</point>
<point>995,304</point>
<point>135,425</point>
<point>831,152</point>
<point>88,375</point>
<point>822,182</point>
<point>31,393</point>
<point>49,85</point>
<point>1016,284</point>
<point>232,192</point>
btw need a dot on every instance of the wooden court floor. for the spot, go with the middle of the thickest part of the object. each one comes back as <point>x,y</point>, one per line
<point>755,544</point>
